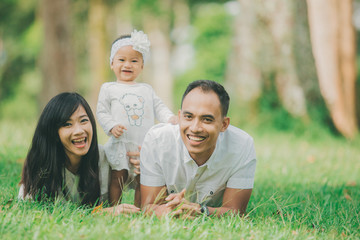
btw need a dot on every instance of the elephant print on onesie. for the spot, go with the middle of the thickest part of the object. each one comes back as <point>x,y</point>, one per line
<point>134,107</point>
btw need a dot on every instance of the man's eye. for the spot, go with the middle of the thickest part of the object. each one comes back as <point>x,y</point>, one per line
<point>208,120</point>
<point>187,116</point>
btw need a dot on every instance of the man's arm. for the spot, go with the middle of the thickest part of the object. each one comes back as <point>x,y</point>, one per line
<point>234,200</point>
<point>152,200</point>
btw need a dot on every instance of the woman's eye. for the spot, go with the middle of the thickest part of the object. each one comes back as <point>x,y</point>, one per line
<point>84,120</point>
<point>67,124</point>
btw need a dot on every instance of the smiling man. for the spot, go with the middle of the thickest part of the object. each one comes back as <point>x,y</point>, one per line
<point>204,165</point>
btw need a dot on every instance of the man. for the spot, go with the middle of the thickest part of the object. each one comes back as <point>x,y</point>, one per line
<point>206,165</point>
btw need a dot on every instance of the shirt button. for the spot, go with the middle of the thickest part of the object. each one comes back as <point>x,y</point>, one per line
<point>211,192</point>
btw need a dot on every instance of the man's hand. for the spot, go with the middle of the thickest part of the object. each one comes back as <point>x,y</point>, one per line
<point>134,159</point>
<point>118,130</point>
<point>182,207</point>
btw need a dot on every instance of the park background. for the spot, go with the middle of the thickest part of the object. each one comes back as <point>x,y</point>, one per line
<point>290,67</point>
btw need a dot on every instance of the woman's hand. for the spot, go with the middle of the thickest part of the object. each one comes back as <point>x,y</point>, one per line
<point>123,208</point>
<point>134,159</point>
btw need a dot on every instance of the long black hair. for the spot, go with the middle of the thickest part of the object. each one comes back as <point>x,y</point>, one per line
<point>43,171</point>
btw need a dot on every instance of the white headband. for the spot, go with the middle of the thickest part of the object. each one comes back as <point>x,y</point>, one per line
<point>138,40</point>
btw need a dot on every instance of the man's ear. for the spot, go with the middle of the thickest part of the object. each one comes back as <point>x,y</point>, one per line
<point>225,124</point>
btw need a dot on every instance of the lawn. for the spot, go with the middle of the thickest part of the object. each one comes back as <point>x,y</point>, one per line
<point>306,187</point>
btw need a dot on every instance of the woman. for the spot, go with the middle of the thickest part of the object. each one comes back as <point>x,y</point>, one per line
<point>64,159</point>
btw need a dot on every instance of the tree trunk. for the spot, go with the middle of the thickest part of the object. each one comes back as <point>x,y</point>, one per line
<point>333,42</point>
<point>243,75</point>
<point>98,49</point>
<point>263,50</point>
<point>57,63</point>
<point>287,82</point>
<point>158,72</point>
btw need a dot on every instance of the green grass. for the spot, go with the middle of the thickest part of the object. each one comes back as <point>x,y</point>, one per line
<point>305,188</point>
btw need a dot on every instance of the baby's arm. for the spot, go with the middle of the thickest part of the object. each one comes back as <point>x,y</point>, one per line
<point>174,120</point>
<point>103,112</point>
<point>162,112</point>
<point>117,130</point>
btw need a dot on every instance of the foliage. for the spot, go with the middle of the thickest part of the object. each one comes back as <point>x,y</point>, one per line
<point>211,39</point>
<point>305,188</point>
<point>19,35</point>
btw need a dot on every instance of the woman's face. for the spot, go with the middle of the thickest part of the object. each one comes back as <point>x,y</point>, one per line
<point>76,136</point>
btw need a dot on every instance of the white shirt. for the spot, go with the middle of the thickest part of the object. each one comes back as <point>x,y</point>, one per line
<point>166,161</point>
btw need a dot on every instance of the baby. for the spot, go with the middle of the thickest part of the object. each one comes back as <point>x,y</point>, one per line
<point>126,110</point>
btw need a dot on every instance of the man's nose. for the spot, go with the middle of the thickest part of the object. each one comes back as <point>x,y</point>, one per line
<point>195,125</point>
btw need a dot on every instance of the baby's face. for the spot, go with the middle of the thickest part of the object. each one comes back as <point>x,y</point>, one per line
<point>127,64</point>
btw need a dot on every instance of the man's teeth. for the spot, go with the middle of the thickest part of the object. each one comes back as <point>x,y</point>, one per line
<point>196,138</point>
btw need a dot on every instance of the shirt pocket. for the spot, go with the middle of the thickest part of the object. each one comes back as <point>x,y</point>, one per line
<point>211,195</point>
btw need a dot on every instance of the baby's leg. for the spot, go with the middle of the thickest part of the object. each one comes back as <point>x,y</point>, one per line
<point>137,197</point>
<point>117,184</point>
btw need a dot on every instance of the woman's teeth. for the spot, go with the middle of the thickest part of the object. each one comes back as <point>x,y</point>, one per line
<point>80,140</point>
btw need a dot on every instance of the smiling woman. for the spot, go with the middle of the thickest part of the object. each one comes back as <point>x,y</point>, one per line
<point>64,160</point>
<point>58,164</point>
<point>76,136</point>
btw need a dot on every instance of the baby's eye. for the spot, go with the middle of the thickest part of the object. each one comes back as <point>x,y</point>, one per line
<point>134,60</point>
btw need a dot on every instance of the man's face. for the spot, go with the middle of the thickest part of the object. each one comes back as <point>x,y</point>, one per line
<point>201,121</point>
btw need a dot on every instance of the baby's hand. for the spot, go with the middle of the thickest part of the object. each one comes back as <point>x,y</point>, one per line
<point>118,130</point>
<point>173,120</point>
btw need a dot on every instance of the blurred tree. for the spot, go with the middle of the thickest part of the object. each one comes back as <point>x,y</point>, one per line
<point>209,35</point>
<point>18,52</point>
<point>334,47</point>
<point>271,51</point>
<point>58,60</point>
<point>98,49</point>
<point>156,19</point>
<point>271,68</point>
